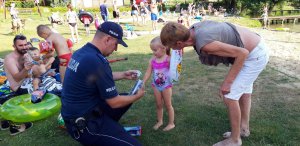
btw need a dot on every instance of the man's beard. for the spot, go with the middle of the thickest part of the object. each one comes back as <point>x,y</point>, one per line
<point>21,51</point>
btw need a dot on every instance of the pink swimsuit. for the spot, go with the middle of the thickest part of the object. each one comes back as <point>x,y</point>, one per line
<point>160,75</point>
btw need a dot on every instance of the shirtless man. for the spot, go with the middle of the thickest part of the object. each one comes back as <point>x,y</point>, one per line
<point>59,43</point>
<point>16,69</point>
<point>15,66</point>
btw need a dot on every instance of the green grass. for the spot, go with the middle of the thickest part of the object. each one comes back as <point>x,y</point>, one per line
<point>200,116</point>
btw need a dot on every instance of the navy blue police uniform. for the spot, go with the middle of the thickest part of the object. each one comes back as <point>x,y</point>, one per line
<point>88,118</point>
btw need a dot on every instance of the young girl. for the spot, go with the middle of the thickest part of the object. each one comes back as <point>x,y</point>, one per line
<point>87,22</point>
<point>161,82</point>
<point>143,12</point>
<point>72,20</point>
<point>97,21</point>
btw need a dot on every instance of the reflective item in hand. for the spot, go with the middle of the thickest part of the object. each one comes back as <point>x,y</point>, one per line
<point>138,85</point>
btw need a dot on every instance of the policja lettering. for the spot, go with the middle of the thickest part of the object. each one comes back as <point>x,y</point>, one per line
<point>111,89</point>
<point>113,33</point>
<point>73,64</point>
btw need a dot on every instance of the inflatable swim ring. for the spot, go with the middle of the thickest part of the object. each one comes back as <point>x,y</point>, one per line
<point>86,14</point>
<point>20,108</point>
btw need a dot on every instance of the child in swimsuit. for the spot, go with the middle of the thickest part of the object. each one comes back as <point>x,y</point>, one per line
<point>40,67</point>
<point>60,44</point>
<point>159,66</point>
<point>87,22</point>
<point>97,21</point>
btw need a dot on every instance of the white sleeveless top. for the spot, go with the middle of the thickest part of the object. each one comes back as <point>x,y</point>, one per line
<point>72,17</point>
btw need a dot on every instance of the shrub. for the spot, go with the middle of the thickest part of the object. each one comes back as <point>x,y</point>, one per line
<point>21,4</point>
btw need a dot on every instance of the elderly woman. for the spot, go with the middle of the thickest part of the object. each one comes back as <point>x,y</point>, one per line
<point>221,42</point>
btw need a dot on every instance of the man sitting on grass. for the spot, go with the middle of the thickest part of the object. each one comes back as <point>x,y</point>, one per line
<point>16,69</point>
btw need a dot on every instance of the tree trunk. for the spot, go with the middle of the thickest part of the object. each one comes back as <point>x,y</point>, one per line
<point>39,11</point>
<point>4,9</point>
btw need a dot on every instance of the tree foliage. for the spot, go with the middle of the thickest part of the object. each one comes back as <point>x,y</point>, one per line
<point>254,7</point>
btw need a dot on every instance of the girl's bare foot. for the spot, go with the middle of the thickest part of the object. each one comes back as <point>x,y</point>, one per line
<point>157,125</point>
<point>169,127</point>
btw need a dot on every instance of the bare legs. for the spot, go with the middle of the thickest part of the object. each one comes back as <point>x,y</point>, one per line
<point>159,108</point>
<point>245,105</point>
<point>137,19</point>
<point>162,98</point>
<point>74,30</point>
<point>167,97</point>
<point>239,116</point>
<point>62,69</point>
<point>35,83</point>
<point>234,114</point>
<point>154,24</point>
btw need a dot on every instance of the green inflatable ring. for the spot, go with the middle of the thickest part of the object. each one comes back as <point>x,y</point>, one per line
<point>20,109</point>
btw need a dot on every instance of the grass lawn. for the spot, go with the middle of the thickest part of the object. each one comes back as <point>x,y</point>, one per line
<point>200,116</point>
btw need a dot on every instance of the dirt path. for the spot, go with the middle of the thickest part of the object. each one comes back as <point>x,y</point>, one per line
<point>284,53</point>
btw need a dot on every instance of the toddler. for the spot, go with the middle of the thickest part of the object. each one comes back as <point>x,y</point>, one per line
<point>40,67</point>
<point>161,82</point>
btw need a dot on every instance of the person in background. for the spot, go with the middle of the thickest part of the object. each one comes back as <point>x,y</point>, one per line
<point>16,21</point>
<point>143,12</point>
<point>104,11</point>
<point>154,11</point>
<point>135,12</point>
<point>86,21</point>
<point>265,16</point>
<point>116,11</point>
<point>97,21</point>
<point>72,20</point>
<point>180,19</point>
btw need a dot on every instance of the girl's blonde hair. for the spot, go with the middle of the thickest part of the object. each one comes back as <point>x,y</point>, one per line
<point>157,40</point>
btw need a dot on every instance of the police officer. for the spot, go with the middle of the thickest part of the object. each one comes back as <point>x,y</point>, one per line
<point>91,105</point>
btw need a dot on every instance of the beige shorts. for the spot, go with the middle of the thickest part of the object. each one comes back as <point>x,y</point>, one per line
<point>253,66</point>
